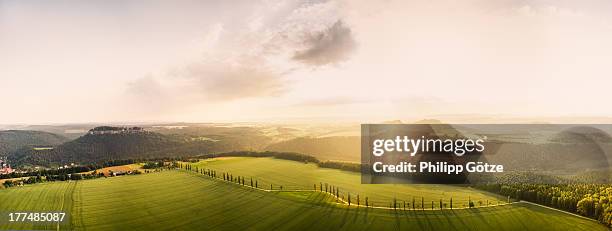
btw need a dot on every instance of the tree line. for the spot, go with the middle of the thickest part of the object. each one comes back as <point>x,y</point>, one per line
<point>69,170</point>
<point>589,200</point>
<point>345,196</point>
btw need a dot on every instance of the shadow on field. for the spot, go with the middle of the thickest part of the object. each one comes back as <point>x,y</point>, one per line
<point>300,211</point>
<point>464,226</point>
<point>478,214</point>
<point>443,215</point>
<point>412,213</point>
<point>491,214</point>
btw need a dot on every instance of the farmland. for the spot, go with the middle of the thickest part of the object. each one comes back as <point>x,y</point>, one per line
<point>182,200</point>
<point>292,174</point>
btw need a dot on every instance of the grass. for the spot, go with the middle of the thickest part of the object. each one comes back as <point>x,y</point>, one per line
<point>178,200</point>
<point>36,198</point>
<point>292,174</point>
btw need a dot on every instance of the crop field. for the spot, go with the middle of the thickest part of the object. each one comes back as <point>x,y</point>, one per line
<point>122,168</point>
<point>292,174</point>
<point>180,200</point>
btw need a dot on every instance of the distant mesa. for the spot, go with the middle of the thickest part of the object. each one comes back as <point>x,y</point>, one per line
<point>393,122</point>
<point>423,121</point>
<point>582,134</point>
<point>428,121</point>
<point>106,130</point>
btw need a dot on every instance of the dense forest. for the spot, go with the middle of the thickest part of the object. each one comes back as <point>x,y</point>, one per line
<point>134,144</point>
<point>98,148</point>
<point>12,140</point>
<point>589,200</point>
<point>573,194</point>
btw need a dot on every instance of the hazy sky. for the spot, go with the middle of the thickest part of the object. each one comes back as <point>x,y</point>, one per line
<point>208,61</point>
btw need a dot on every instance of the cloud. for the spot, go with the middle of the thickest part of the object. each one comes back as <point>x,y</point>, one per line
<point>333,45</point>
<point>250,59</point>
<point>206,83</point>
<point>145,87</point>
<point>221,81</point>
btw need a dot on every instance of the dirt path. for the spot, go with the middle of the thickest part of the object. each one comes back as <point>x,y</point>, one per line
<point>559,210</point>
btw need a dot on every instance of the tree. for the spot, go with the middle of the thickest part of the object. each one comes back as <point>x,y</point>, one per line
<point>394,203</point>
<point>8,183</point>
<point>348,197</point>
<point>586,206</point>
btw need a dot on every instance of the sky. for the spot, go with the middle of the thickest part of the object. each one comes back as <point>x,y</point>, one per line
<point>230,61</point>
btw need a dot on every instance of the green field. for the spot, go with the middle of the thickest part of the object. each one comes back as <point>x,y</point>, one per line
<point>178,200</point>
<point>297,175</point>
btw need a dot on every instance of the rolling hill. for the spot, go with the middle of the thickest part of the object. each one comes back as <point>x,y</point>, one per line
<point>102,147</point>
<point>298,175</point>
<point>12,140</point>
<point>178,200</point>
<point>343,148</point>
<point>111,143</point>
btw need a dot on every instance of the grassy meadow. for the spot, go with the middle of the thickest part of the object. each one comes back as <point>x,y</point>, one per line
<point>292,174</point>
<point>179,200</point>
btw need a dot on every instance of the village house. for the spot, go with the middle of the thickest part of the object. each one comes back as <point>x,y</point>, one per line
<point>5,168</point>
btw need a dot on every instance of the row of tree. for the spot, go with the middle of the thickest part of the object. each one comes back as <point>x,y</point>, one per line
<point>327,188</point>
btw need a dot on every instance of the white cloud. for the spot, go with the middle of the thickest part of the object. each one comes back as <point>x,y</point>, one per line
<point>253,60</point>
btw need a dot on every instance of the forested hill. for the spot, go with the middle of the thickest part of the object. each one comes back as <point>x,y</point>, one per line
<point>12,140</point>
<point>103,147</point>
